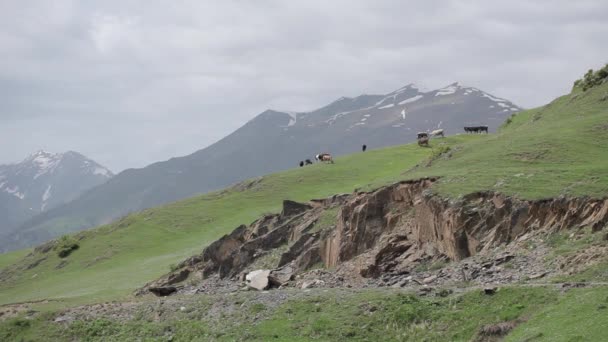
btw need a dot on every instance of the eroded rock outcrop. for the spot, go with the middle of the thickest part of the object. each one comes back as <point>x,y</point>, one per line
<point>390,230</point>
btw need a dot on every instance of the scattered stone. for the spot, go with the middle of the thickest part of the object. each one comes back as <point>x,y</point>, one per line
<point>503,258</point>
<point>423,291</point>
<point>183,308</point>
<point>416,281</point>
<point>258,279</point>
<point>498,329</point>
<point>538,275</point>
<point>444,293</point>
<point>567,286</point>
<point>311,283</point>
<point>62,319</point>
<point>429,279</point>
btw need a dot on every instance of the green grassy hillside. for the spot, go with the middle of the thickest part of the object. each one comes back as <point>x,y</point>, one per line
<point>553,150</point>
<point>113,260</point>
<point>10,258</point>
<point>534,313</point>
<point>558,149</point>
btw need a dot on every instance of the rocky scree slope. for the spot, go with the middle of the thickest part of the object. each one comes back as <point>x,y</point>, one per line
<point>386,237</point>
<point>43,181</point>
<point>340,128</point>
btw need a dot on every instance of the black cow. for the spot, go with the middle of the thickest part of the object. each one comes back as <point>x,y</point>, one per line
<point>476,129</point>
<point>363,148</point>
<point>308,162</point>
<point>301,163</point>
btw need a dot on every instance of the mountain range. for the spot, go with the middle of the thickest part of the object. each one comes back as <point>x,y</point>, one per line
<point>43,181</point>
<point>272,141</point>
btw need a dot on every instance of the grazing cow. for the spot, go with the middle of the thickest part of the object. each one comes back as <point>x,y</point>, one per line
<point>324,157</point>
<point>363,148</point>
<point>476,129</point>
<point>308,162</point>
<point>437,132</point>
<point>301,163</point>
<point>421,135</point>
<point>423,141</point>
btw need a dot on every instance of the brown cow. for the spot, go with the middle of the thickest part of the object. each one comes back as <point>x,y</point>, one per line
<point>424,141</point>
<point>324,157</point>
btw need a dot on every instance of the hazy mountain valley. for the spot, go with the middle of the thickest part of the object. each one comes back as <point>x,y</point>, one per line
<point>482,237</point>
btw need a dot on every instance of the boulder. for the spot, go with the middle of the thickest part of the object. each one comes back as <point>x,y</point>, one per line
<point>258,279</point>
<point>281,276</point>
<point>163,291</point>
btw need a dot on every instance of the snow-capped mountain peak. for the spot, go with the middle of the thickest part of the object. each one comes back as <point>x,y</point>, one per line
<point>44,180</point>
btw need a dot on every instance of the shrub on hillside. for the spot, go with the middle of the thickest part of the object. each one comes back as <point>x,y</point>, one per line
<point>592,79</point>
<point>65,246</point>
<point>439,151</point>
<point>508,121</point>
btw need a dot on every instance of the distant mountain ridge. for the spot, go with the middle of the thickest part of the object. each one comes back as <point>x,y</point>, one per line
<point>43,181</point>
<point>273,141</point>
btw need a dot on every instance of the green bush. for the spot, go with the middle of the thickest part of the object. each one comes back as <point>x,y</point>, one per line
<point>65,246</point>
<point>592,79</point>
<point>439,150</point>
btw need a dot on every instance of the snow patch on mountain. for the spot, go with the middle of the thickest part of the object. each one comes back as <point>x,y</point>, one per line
<point>102,171</point>
<point>14,190</point>
<point>45,197</point>
<point>405,88</point>
<point>411,99</point>
<point>449,90</point>
<point>293,118</point>
<point>45,162</point>
<point>387,106</point>
<point>493,98</point>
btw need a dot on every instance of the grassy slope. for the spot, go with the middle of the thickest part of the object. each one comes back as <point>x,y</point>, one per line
<point>9,258</point>
<point>543,314</point>
<point>113,260</point>
<point>549,151</point>
<point>552,150</point>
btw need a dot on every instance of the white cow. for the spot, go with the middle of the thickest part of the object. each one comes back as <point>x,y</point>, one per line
<point>437,132</point>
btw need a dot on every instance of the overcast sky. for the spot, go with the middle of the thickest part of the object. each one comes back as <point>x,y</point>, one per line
<point>128,83</point>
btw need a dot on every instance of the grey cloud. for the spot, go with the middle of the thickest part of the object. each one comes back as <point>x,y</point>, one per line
<point>132,82</point>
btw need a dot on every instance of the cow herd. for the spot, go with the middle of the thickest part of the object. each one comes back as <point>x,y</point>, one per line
<point>323,157</point>
<point>422,137</point>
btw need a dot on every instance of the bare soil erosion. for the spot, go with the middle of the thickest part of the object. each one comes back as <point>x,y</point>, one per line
<point>398,235</point>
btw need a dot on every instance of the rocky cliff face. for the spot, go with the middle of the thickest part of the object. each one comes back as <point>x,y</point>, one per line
<point>390,231</point>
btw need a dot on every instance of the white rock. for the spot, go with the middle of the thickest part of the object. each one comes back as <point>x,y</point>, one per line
<point>258,279</point>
